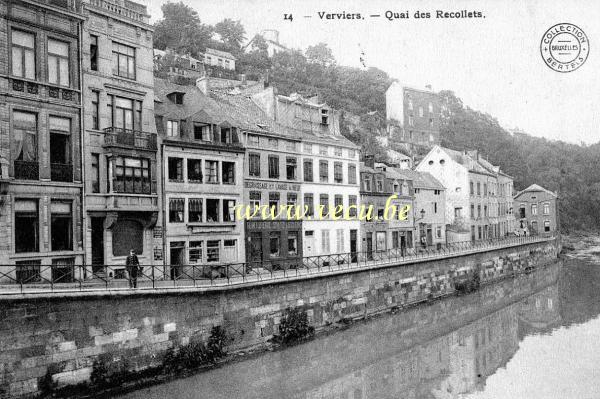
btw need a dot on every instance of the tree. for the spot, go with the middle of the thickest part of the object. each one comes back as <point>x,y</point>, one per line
<point>181,30</point>
<point>320,54</point>
<point>232,33</point>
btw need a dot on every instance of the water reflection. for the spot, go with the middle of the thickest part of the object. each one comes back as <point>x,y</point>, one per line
<point>455,348</point>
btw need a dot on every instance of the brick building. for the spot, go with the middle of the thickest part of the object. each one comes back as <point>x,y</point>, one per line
<point>122,167</point>
<point>413,115</point>
<point>537,211</point>
<point>40,138</point>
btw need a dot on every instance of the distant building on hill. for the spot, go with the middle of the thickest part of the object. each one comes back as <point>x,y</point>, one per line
<point>413,115</point>
<point>271,38</point>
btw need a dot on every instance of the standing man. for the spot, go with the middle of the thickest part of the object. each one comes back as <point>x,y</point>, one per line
<point>132,265</point>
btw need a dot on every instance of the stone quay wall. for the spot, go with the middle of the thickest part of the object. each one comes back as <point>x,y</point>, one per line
<point>64,336</point>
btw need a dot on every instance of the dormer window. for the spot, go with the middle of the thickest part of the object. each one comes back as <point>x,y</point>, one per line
<point>176,97</point>
<point>173,128</point>
<point>324,117</point>
<point>229,135</point>
<point>201,132</point>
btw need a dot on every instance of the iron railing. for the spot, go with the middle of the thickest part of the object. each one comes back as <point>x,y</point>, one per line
<point>61,172</point>
<point>36,278</point>
<point>130,138</point>
<point>27,170</point>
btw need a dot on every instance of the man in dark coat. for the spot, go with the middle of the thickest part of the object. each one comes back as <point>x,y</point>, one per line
<point>132,265</point>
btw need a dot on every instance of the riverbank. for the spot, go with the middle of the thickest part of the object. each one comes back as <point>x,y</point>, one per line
<point>582,245</point>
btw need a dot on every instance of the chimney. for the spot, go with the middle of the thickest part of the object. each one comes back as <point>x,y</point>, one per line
<point>370,161</point>
<point>203,84</point>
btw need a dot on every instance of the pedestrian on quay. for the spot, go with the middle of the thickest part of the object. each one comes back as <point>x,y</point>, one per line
<point>132,263</point>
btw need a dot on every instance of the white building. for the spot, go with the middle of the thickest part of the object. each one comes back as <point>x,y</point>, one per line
<point>219,58</point>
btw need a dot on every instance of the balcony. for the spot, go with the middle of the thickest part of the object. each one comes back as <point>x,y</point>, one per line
<point>124,8</point>
<point>69,5</point>
<point>115,136</point>
<point>61,172</point>
<point>27,170</point>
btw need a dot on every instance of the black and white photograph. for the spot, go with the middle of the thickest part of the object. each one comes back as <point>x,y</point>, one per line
<point>302,199</point>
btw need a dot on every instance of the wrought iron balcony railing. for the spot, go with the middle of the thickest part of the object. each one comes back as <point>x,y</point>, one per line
<point>27,170</point>
<point>61,172</point>
<point>130,138</point>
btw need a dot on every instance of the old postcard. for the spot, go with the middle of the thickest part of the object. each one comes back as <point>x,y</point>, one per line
<point>300,199</point>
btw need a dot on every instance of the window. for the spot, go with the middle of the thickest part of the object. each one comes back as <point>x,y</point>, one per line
<point>273,143</point>
<point>123,60</point>
<point>307,148</point>
<point>411,121</point>
<point>471,190</point>
<point>290,168</point>
<point>95,173</point>
<point>93,53</point>
<point>351,174</point>
<point>324,204</point>
<point>417,190</point>
<point>431,108</point>
<point>323,171</point>
<point>274,243</point>
<point>293,243</point>
<point>61,226</point>
<point>254,164</point>
<point>122,113</point>
<point>352,204</point>
<point>485,191</point>
<point>175,169</point>
<point>290,146</point>
<point>254,197</point>
<point>23,54</point>
<point>201,132</point>
<point>230,251</point>
<point>339,241</point>
<point>421,112</point>
<point>380,212</point>
<point>478,211</point>
<point>212,250</point>
<point>212,210</point>
<point>308,170</point>
<point>546,225</point>
<point>546,209</point>
<point>309,204</point>
<point>395,239</point>
<point>379,184</point>
<point>253,140</point>
<point>325,244</point>
<point>435,207</point>
<point>534,209</point>
<point>95,109</point>
<point>228,210</point>
<point>173,128</point>
<point>437,192</point>
<point>194,210</point>
<point>228,170</point>
<point>24,140</point>
<point>211,172</point>
<point>324,117</point>
<point>60,149</point>
<point>478,188</point>
<point>323,150</point>
<point>132,175</point>
<point>338,203</point>
<point>176,206</point>
<point>410,104</point>
<point>194,170</point>
<point>337,172</point>
<point>367,182</point>
<point>273,167</point>
<point>274,200</point>
<point>26,231</point>
<point>485,211</point>
<point>337,151</point>
<point>58,62</point>
<point>351,154</point>
<point>28,271</point>
<point>472,211</point>
<point>292,199</point>
<point>195,252</point>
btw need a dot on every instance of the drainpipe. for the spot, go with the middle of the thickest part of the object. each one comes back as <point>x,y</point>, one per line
<point>83,233</point>
<point>163,205</point>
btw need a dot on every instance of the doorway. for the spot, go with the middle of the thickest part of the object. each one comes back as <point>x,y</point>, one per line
<point>353,246</point>
<point>177,257</point>
<point>369,246</point>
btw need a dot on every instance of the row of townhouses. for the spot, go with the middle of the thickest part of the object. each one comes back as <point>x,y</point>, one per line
<point>99,155</point>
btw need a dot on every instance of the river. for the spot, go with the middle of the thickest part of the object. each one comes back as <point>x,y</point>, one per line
<point>535,336</point>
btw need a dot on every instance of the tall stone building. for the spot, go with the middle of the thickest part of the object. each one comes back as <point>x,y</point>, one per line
<point>122,168</point>
<point>413,115</point>
<point>40,138</point>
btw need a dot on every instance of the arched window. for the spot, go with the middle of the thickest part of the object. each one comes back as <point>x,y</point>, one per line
<point>126,235</point>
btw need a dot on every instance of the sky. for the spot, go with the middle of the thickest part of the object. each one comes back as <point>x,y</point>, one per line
<point>493,64</point>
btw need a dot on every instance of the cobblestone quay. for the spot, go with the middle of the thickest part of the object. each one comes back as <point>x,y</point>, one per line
<point>62,337</point>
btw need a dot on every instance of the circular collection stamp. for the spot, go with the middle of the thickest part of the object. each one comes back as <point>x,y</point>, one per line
<point>564,47</point>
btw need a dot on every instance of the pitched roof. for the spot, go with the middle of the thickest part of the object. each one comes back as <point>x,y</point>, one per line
<point>220,53</point>
<point>420,179</point>
<point>536,188</point>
